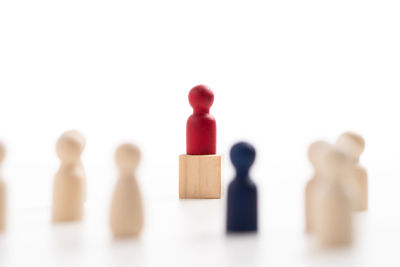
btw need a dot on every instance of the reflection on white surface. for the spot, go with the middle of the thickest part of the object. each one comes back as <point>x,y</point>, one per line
<point>242,250</point>
<point>67,236</point>
<point>127,253</point>
<point>177,231</point>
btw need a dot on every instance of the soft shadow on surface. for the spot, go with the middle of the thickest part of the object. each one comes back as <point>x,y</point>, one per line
<point>242,249</point>
<point>127,252</point>
<point>343,256</point>
<point>3,243</point>
<point>3,250</point>
<point>205,214</point>
<point>67,236</point>
<point>346,255</point>
<point>67,243</point>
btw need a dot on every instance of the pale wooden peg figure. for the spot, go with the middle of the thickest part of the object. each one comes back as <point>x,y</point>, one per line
<point>353,146</point>
<point>82,140</point>
<point>126,216</point>
<point>333,224</point>
<point>2,193</point>
<point>315,152</point>
<point>69,183</point>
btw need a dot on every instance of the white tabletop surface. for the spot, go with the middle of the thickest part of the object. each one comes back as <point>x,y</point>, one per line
<point>180,232</point>
<point>284,73</point>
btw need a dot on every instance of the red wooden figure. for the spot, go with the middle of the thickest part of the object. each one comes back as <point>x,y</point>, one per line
<point>201,128</point>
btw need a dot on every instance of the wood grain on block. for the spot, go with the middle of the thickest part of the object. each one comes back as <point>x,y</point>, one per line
<point>200,176</point>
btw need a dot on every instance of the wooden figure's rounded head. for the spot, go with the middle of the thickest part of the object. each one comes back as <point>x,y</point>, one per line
<point>201,98</point>
<point>242,156</point>
<point>316,150</point>
<point>2,152</point>
<point>352,144</point>
<point>127,157</point>
<point>70,145</point>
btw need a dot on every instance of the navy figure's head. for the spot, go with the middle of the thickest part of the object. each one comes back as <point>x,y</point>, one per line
<point>242,156</point>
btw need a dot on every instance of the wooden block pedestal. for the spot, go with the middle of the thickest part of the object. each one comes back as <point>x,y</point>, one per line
<point>200,176</point>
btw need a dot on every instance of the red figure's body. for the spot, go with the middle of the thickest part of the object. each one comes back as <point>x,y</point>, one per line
<point>201,128</point>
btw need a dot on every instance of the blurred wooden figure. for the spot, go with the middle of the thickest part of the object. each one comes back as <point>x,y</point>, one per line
<point>333,224</point>
<point>353,146</point>
<point>242,192</point>
<point>126,216</point>
<point>315,152</point>
<point>69,184</point>
<point>2,193</point>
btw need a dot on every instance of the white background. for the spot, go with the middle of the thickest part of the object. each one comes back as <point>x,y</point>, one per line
<point>284,73</point>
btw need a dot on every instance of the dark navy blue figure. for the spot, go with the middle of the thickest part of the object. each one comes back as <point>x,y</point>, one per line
<point>242,192</point>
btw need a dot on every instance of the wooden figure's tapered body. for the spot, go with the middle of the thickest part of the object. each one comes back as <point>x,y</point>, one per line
<point>334,216</point>
<point>315,152</point>
<point>69,188</point>
<point>361,177</point>
<point>126,218</point>
<point>3,193</point>
<point>353,146</point>
<point>3,197</point>
<point>83,173</point>
<point>333,224</point>
<point>357,185</point>
<point>126,215</point>
<point>242,192</point>
<point>310,201</point>
<point>242,206</point>
<point>68,194</point>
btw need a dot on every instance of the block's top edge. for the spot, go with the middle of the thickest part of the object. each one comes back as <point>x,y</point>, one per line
<point>201,156</point>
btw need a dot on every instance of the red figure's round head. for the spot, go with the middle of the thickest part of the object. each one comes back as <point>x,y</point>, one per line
<point>201,98</point>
